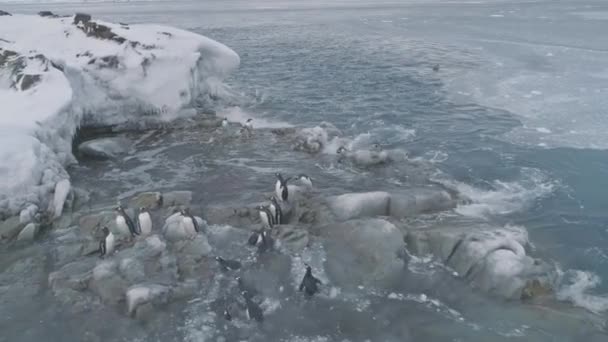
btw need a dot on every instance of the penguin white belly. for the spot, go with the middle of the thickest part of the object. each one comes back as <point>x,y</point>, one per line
<point>110,243</point>
<point>272,209</point>
<point>145,223</point>
<point>278,190</point>
<point>121,225</point>
<point>265,219</point>
<point>188,226</point>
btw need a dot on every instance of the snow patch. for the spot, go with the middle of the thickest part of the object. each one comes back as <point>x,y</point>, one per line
<point>56,75</point>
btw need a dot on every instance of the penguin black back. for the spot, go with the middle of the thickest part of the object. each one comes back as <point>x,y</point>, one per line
<point>186,213</point>
<point>309,283</point>
<point>267,242</point>
<point>132,228</point>
<point>254,311</point>
<point>228,265</point>
<point>278,216</point>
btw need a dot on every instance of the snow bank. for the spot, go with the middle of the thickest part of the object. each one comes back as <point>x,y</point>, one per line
<point>57,73</point>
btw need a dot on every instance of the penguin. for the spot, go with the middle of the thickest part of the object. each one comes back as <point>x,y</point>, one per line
<point>436,67</point>
<point>280,187</point>
<point>144,222</point>
<point>249,125</point>
<point>189,222</point>
<point>265,216</point>
<point>309,283</point>
<point>278,212</point>
<point>247,288</point>
<point>225,123</point>
<point>304,179</point>
<point>228,265</point>
<point>374,156</point>
<point>254,311</point>
<point>106,245</point>
<point>267,242</point>
<point>227,315</point>
<point>255,238</point>
<point>124,222</point>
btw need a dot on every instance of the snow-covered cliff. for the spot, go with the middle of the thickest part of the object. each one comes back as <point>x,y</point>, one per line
<point>57,73</point>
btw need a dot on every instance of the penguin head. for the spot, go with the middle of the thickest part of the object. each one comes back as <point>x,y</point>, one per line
<point>249,120</point>
<point>143,209</point>
<point>341,150</point>
<point>185,212</point>
<point>225,120</point>
<point>308,268</point>
<point>376,147</point>
<point>118,208</point>
<point>278,175</point>
<point>244,294</point>
<point>219,259</point>
<point>105,231</point>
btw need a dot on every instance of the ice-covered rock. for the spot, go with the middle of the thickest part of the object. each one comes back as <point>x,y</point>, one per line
<point>29,232</point>
<point>142,294</point>
<point>62,190</point>
<point>28,214</point>
<point>149,200</point>
<point>60,73</point>
<point>104,148</point>
<point>492,258</point>
<point>9,228</point>
<point>177,198</point>
<point>362,252</point>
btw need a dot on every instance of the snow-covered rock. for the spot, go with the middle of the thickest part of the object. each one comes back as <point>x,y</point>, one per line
<point>59,73</point>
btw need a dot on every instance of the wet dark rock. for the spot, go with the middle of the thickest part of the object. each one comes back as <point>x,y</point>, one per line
<point>149,200</point>
<point>535,290</point>
<point>92,223</point>
<point>10,227</point>
<point>362,252</point>
<point>237,217</point>
<point>104,148</point>
<point>81,18</point>
<point>47,14</point>
<point>3,13</point>
<point>27,81</point>
<point>177,198</point>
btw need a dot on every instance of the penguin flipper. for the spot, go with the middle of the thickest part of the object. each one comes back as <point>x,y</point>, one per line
<point>301,285</point>
<point>131,225</point>
<point>318,281</point>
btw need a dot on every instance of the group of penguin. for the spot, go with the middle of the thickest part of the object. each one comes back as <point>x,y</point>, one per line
<point>270,215</point>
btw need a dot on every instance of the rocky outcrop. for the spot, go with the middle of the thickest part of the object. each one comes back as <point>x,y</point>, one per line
<point>493,259</point>
<point>104,148</point>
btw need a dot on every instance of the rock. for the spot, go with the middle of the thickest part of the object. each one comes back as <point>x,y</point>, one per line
<point>534,289</point>
<point>357,205</point>
<point>107,283</point>
<point>62,190</point>
<point>3,13</point>
<point>362,252</point>
<point>177,198</point>
<point>236,217</point>
<point>420,201</point>
<point>104,148</point>
<point>492,258</point>
<point>93,223</point>
<point>290,237</point>
<point>132,270</point>
<point>81,18</point>
<point>146,294</point>
<point>28,214</point>
<point>29,232</point>
<point>149,200</point>
<point>46,14</point>
<point>196,248</point>
<point>10,228</point>
<point>75,276</point>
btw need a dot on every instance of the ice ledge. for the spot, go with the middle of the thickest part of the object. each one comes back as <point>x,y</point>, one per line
<point>57,73</point>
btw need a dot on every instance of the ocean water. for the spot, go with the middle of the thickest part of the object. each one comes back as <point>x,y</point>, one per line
<point>515,118</point>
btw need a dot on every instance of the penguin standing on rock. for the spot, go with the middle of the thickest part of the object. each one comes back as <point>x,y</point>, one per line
<point>190,223</point>
<point>106,245</point>
<point>144,222</point>
<point>265,216</point>
<point>309,282</point>
<point>280,187</point>
<point>225,123</point>
<point>276,211</point>
<point>266,243</point>
<point>124,223</point>
<point>254,311</point>
<point>227,315</point>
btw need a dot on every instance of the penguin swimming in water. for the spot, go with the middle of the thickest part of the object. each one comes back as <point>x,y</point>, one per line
<point>124,223</point>
<point>275,209</point>
<point>227,315</point>
<point>189,222</point>
<point>106,245</point>
<point>228,265</point>
<point>309,282</point>
<point>144,222</point>
<point>374,156</point>
<point>247,288</point>
<point>304,179</point>
<point>280,187</point>
<point>265,216</point>
<point>254,311</point>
